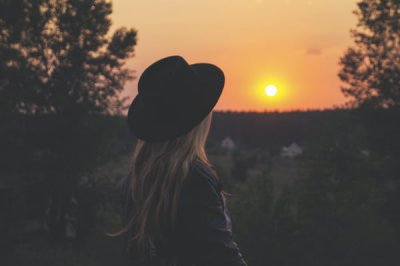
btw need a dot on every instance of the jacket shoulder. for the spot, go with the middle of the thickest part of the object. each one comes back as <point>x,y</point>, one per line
<point>202,176</point>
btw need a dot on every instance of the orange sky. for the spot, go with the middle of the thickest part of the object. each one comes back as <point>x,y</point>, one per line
<point>294,44</point>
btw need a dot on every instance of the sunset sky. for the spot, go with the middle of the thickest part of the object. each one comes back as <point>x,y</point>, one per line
<point>292,44</point>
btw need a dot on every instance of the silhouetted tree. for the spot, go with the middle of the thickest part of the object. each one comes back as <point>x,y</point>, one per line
<point>371,68</point>
<point>56,57</point>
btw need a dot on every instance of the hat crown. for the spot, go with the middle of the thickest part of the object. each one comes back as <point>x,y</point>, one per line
<point>167,78</point>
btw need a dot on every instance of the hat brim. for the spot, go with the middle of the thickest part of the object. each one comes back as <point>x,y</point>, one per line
<point>161,128</point>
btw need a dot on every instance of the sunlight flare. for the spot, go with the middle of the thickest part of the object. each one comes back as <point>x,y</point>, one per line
<point>271,90</point>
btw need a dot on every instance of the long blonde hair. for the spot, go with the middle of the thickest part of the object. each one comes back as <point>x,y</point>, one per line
<point>157,174</point>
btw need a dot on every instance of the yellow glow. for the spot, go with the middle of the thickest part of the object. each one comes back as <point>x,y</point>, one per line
<point>283,97</point>
<point>271,90</point>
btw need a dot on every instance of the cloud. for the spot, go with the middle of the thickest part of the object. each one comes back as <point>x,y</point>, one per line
<point>314,51</point>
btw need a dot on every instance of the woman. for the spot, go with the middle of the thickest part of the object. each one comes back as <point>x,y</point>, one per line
<point>175,205</point>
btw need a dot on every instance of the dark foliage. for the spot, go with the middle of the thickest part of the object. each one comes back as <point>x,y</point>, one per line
<point>56,57</point>
<point>371,68</point>
<point>271,131</point>
<point>342,210</point>
<point>58,66</point>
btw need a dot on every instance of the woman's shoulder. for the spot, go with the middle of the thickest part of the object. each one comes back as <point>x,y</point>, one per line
<point>202,176</point>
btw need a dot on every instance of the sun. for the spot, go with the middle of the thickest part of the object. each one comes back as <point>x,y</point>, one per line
<point>271,90</point>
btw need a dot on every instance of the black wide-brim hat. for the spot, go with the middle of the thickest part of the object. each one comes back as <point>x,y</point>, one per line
<point>173,97</point>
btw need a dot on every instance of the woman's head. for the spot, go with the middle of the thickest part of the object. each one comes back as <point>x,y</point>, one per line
<point>157,173</point>
<point>173,95</point>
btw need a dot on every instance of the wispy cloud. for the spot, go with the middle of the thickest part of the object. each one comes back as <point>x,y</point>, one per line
<point>314,51</point>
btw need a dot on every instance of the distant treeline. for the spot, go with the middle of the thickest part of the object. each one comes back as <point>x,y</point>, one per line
<point>24,138</point>
<point>273,130</point>
<point>34,141</point>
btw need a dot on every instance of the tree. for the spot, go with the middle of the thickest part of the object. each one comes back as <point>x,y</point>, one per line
<point>56,57</point>
<point>371,68</point>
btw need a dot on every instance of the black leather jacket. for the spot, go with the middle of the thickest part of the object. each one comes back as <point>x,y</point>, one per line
<point>203,235</point>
